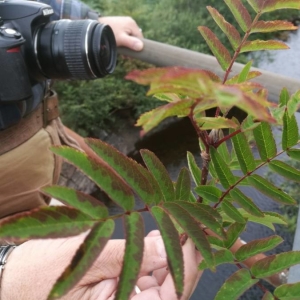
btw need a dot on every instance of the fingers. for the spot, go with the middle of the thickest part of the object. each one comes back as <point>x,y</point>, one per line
<point>126,31</point>
<point>109,263</point>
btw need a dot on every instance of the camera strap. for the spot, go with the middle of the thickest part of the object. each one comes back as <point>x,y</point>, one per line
<point>19,133</point>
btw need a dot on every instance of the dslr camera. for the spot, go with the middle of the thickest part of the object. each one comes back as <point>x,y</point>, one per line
<point>33,48</point>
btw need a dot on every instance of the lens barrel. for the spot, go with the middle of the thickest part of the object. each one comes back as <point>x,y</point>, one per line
<point>80,49</point>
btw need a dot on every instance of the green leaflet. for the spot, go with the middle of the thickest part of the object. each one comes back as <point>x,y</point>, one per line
<point>275,263</point>
<point>240,13</point>
<point>236,285</point>
<point>215,243</point>
<point>245,202</point>
<point>268,219</point>
<point>221,257</point>
<point>265,141</point>
<point>194,169</point>
<point>233,233</point>
<point>192,228</point>
<point>217,48</point>
<point>134,228</point>
<point>160,173</point>
<point>172,245</point>
<point>103,175</point>
<point>285,170</point>
<point>203,214</point>
<point>268,296</point>
<point>290,132</point>
<point>258,246</point>
<point>243,153</point>
<point>288,291</point>
<point>226,178</point>
<point>271,26</point>
<point>45,222</point>
<point>294,154</point>
<point>83,259</point>
<point>127,168</point>
<point>293,103</point>
<point>275,5</point>
<point>81,201</point>
<point>267,188</point>
<point>210,193</point>
<point>232,212</point>
<point>151,119</point>
<point>255,4</point>
<point>183,185</point>
<point>244,73</point>
<point>206,123</point>
<point>231,32</point>
<point>259,45</point>
<point>251,75</point>
<point>222,148</point>
<point>284,97</point>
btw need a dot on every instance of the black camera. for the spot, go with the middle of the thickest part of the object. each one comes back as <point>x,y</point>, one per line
<point>33,48</point>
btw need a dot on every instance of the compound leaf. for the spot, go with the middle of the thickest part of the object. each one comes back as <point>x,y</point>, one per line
<point>259,45</point>
<point>265,141</point>
<point>267,188</point>
<point>231,32</point>
<point>102,174</point>
<point>285,170</point>
<point>83,259</point>
<point>81,201</point>
<point>240,13</point>
<point>275,263</point>
<point>134,228</point>
<point>236,285</point>
<point>288,291</point>
<point>45,222</point>
<point>192,228</point>
<point>217,48</point>
<point>183,185</point>
<point>258,246</point>
<point>160,173</point>
<point>172,245</point>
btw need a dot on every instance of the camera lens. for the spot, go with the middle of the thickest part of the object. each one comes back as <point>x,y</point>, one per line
<point>83,49</point>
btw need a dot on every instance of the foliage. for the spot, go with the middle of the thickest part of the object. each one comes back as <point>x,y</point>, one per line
<point>169,21</point>
<point>214,211</point>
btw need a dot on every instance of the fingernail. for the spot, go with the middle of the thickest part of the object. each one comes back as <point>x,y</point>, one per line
<point>160,247</point>
<point>138,46</point>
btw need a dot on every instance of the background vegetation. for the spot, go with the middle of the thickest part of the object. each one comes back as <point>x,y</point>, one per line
<point>87,107</point>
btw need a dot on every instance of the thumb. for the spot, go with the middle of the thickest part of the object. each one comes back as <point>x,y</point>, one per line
<point>131,42</point>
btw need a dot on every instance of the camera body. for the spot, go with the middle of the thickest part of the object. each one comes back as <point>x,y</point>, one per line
<point>33,48</point>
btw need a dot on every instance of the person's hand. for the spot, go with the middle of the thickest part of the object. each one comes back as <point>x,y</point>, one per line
<point>126,31</point>
<point>33,267</point>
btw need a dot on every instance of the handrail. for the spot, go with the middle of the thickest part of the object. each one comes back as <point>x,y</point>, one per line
<point>163,55</point>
